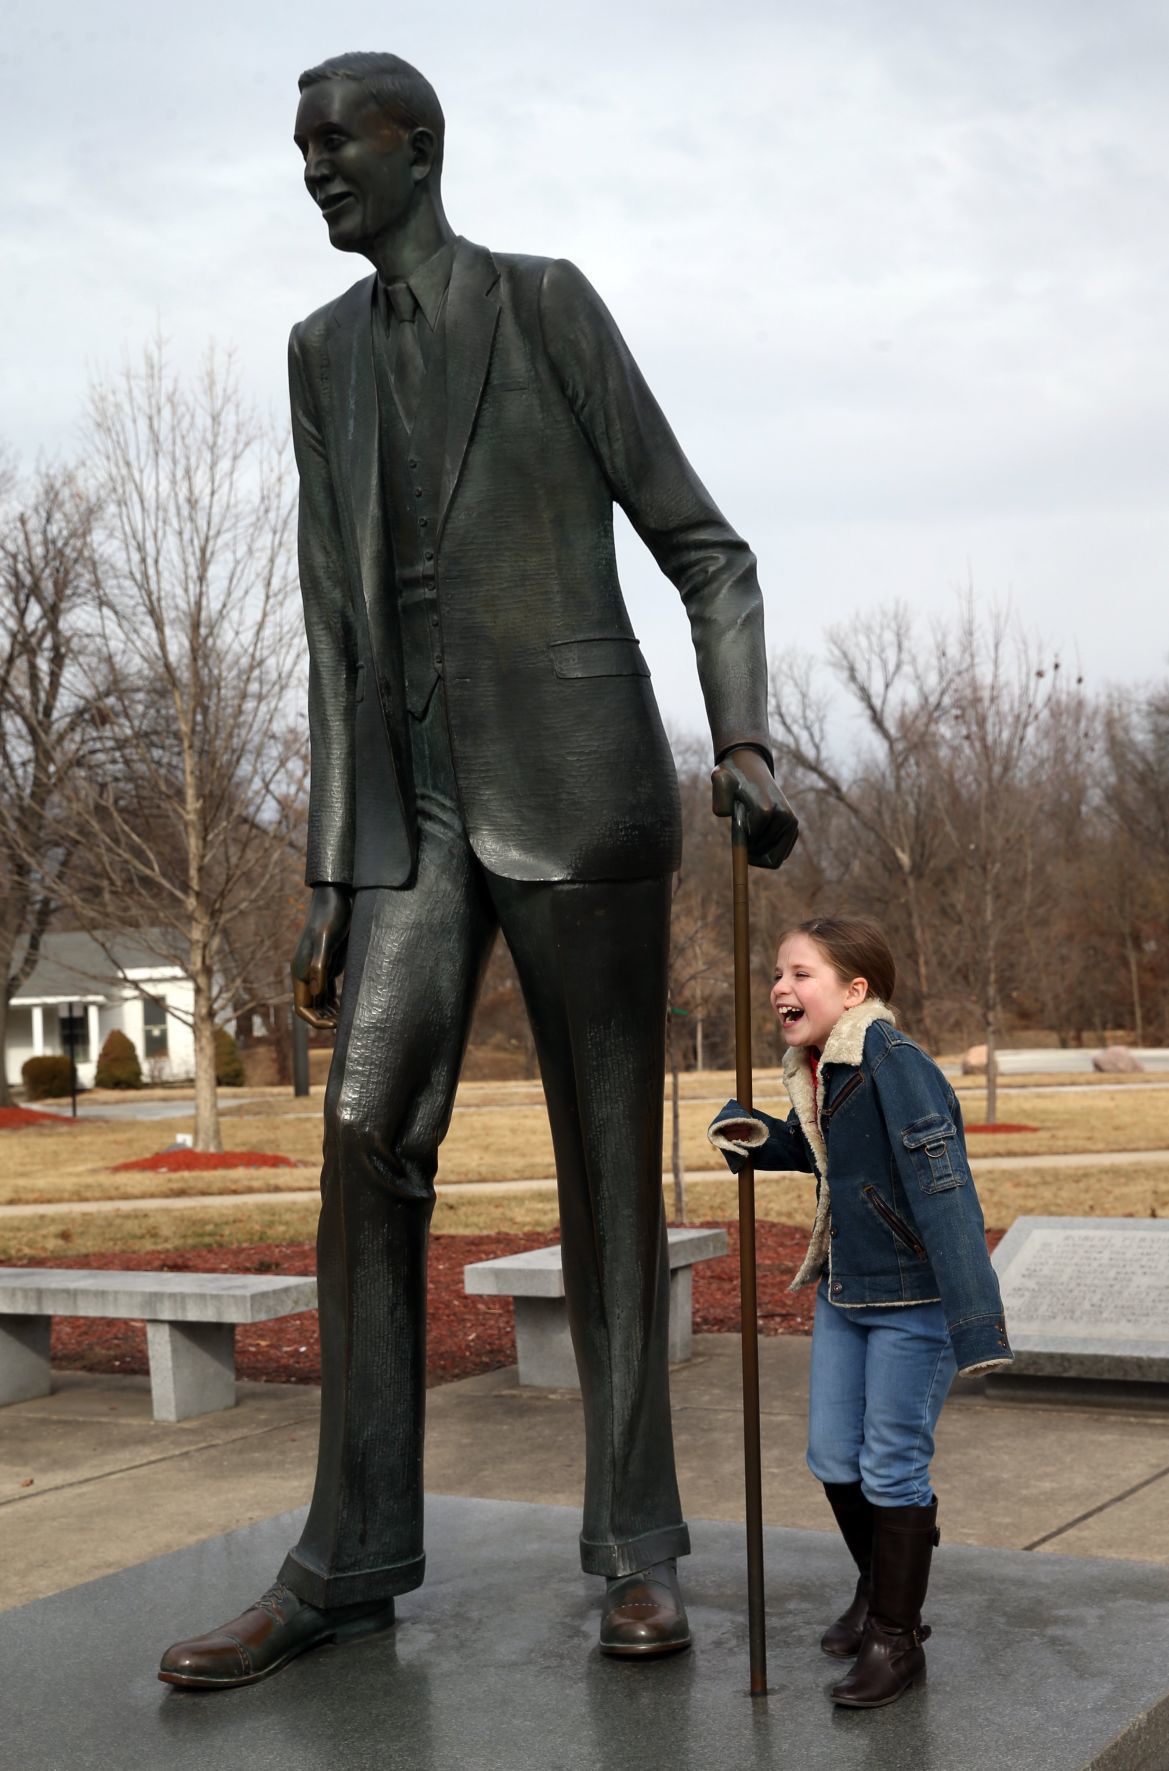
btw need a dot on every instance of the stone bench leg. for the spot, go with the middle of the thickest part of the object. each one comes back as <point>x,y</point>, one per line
<point>24,1358</point>
<point>681,1314</point>
<point>544,1345</point>
<point>192,1368</point>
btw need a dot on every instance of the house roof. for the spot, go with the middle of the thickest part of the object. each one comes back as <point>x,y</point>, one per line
<point>72,963</point>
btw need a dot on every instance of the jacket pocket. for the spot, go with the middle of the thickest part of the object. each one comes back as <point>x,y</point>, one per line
<point>898,1225</point>
<point>609,656</point>
<point>936,1154</point>
<point>855,1082</point>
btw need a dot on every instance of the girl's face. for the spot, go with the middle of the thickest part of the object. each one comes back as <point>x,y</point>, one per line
<point>808,994</point>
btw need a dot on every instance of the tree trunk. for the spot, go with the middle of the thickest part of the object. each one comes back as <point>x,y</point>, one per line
<point>1134,973</point>
<point>675,1123</point>
<point>207,1132</point>
<point>5,1091</point>
<point>928,1030</point>
<point>698,1042</point>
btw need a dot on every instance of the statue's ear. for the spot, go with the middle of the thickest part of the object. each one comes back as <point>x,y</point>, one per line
<point>423,152</point>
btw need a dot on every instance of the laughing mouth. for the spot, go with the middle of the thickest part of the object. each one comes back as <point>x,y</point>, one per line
<point>789,1014</point>
<point>333,202</point>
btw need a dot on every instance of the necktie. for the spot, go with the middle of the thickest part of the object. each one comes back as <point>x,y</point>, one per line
<point>407,364</point>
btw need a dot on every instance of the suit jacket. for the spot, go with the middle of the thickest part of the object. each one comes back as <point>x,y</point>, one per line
<point>563,767</point>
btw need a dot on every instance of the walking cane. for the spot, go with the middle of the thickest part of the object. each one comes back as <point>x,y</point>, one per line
<point>747,1297</point>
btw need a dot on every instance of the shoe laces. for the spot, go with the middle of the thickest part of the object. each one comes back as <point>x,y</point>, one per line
<point>275,1600</point>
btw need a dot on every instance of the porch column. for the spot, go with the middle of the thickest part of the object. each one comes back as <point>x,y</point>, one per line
<point>91,1018</point>
<point>38,1031</point>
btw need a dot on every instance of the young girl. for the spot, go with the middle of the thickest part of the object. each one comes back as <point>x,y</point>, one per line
<point>906,1295</point>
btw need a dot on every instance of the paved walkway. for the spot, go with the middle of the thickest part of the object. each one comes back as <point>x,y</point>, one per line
<point>488,1189</point>
<point>107,1486</point>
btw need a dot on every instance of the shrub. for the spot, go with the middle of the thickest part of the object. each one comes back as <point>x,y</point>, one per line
<point>229,1066</point>
<point>117,1064</point>
<point>46,1077</point>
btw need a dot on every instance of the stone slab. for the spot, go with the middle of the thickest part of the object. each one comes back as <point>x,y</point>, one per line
<point>1036,1664</point>
<point>1087,1297</point>
<point>537,1272</point>
<point>157,1297</point>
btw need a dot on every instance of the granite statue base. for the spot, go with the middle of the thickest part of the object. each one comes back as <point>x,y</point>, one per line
<point>1038,1663</point>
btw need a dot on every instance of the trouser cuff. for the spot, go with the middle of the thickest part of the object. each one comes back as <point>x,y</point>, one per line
<point>328,1590</point>
<point>615,1559</point>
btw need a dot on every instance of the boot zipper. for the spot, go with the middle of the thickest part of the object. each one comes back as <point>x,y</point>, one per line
<point>896,1224</point>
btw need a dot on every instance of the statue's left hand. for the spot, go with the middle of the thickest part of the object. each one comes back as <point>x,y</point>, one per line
<point>320,956</point>
<point>744,778</point>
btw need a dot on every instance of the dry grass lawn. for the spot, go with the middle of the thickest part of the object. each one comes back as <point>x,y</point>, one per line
<point>500,1132</point>
<point>1005,1195</point>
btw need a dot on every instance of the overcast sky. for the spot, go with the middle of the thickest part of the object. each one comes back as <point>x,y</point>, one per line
<point>898,272</point>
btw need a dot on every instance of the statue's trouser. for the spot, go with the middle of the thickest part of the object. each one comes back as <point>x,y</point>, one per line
<point>591,959</point>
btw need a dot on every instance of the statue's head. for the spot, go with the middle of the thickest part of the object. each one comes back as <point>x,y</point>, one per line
<point>371,130</point>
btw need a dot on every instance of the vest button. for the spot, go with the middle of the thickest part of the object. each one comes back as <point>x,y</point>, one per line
<point>413,461</point>
<point>423,524</point>
<point>418,491</point>
<point>429,556</point>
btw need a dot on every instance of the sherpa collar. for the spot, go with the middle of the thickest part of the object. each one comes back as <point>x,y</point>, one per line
<point>844,1045</point>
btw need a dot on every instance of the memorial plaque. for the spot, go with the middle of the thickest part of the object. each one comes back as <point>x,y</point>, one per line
<point>1087,1297</point>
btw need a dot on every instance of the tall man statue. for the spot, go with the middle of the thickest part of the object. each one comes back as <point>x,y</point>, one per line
<point>486,754</point>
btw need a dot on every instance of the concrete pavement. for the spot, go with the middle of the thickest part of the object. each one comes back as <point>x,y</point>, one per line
<point>109,1487</point>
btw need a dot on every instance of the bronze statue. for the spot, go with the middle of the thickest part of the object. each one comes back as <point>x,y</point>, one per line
<point>486,754</point>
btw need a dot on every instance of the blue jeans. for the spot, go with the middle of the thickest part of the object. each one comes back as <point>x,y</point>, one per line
<point>879,1378</point>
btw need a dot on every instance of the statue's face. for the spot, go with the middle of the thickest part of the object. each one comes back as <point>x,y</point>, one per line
<point>358,166</point>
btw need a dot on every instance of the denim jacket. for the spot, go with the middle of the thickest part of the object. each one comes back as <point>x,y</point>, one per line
<point>902,1224</point>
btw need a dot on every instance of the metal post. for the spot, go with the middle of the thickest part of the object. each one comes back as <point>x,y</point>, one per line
<point>73,1055</point>
<point>300,1072</point>
<point>752,1464</point>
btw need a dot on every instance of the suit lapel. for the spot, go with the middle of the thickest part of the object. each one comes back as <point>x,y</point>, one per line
<point>355,406</point>
<point>472,314</point>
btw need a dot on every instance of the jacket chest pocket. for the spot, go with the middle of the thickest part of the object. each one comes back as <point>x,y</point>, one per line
<point>855,1082</point>
<point>937,1156</point>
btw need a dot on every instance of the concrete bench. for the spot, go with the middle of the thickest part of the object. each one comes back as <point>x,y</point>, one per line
<point>535,1282</point>
<point>190,1326</point>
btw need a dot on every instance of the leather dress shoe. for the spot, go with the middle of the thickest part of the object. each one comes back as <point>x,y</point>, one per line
<point>644,1613</point>
<point>265,1637</point>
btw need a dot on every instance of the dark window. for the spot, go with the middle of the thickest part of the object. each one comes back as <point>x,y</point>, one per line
<point>154,1028</point>
<point>75,1037</point>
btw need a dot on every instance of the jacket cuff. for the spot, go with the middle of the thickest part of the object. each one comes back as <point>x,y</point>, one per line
<point>980,1343</point>
<point>736,1132</point>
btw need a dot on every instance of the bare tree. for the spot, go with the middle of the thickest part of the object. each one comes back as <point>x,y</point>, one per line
<point>46,585</point>
<point>899,687</point>
<point>986,803</point>
<point>186,820</point>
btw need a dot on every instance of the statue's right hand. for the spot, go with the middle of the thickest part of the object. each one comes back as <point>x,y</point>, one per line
<point>320,956</point>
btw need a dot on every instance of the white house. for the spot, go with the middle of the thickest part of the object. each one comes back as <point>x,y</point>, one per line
<point>92,985</point>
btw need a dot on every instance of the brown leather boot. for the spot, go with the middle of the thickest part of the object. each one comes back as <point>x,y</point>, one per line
<point>644,1613</point>
<point>891,1657</point>
<point>854,1516</point>
<point>266,1637</point>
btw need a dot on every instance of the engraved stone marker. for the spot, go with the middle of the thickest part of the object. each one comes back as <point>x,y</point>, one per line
<point>1087,1297</point>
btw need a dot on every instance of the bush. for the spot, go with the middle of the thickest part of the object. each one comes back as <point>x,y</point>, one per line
<point>46,1077</point>
<point>229,1066</point>
<point>117,1064</point>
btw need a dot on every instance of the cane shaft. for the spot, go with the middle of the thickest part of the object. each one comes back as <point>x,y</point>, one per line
<point>752,1459</point>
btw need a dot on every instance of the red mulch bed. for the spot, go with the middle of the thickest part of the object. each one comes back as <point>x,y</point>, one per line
<point>182,1162</point>
<point>996,1127</point>
<point>17,1118</point>
<point>466,1335</point>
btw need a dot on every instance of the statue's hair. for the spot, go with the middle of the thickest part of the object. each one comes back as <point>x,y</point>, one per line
<point>404,95</point>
